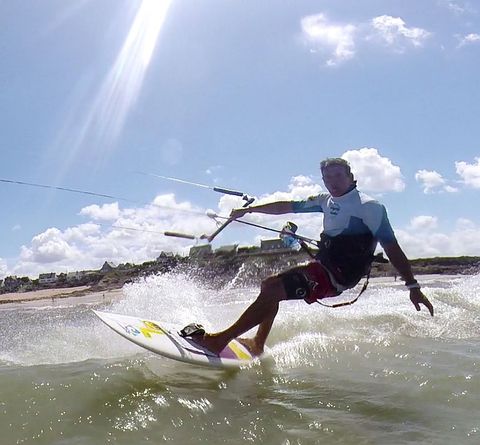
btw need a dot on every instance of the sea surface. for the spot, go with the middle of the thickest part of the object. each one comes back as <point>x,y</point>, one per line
<point>376,372</point>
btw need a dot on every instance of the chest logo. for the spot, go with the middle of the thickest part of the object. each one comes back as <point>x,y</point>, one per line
<point>334,208</point>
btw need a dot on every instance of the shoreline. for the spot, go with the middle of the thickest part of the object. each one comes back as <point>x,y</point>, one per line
<point>86,294</point>
<point>79,294</point>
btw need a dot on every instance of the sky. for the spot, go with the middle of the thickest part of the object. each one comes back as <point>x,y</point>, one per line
<point>108,96</point>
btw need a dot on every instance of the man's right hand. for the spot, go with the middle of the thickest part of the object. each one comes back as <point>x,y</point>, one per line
<point>417,298</point>
<point>238,213</point>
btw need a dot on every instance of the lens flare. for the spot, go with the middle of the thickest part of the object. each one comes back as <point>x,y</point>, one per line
<point>105,117</point>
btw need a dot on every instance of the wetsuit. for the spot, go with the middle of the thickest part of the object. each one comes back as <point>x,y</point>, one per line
<point>353,221</point>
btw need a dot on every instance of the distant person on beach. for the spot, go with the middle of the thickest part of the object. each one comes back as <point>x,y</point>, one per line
<point>353,224</point>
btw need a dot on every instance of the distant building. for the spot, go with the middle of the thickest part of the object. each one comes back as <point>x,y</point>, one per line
<point>227,250</point>
<point>47,278</point>
<point>73,276</point>
<point>246,250</point>
<point>200,251</point>
<point>165,258</point>
<point>271,244</point>
<point>12,283</point>
<point>108,267</point>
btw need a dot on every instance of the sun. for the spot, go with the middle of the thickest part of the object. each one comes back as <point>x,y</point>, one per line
<point>123,83</point>
<point>105,115</point>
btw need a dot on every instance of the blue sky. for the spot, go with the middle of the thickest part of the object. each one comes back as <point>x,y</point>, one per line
<point>101,96</point>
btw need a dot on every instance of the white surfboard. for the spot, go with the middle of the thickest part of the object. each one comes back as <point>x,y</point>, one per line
<point>151,335</point>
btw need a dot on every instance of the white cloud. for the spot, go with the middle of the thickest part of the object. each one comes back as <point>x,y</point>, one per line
<point>88,245</point>
<point>464,224</point>
<point>433,181</point>
<point>214,171</point>
<point>468,39</point>
<point>325,36</point>
<point>3,269</point>
<point>47,247</point>
<point>455,7</point>
<point>374,172</point>
<point>463,239</point>
<point>339,41</point>
<point>300,187</point>
<point>450,189</point>
<point>16,228</point>
<point>422,237</point>
<point>466,239</point>
<point>394,32</point>
<point>135,235</point>
<point>458,8</point>
<point>430,180</point>
<point>424,245</point>
<point>106,212</point>
<point>423,222</point>
<point>470,173</point>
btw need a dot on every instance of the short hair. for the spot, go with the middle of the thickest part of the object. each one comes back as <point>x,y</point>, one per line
<point>336,161</point>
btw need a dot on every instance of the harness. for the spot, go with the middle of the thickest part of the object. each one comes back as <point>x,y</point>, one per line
<point>348,258</point>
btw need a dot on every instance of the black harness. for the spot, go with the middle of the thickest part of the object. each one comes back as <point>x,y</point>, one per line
<point>347,257</point>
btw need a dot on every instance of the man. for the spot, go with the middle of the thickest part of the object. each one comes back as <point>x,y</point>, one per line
<point>353,224</point>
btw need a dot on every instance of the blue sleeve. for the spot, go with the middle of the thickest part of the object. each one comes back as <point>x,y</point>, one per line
<point>376,219</point>
<point>385,232</point>
<point>312,204</point>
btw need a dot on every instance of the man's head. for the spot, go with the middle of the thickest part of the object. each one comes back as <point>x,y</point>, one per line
<point>337,176</point>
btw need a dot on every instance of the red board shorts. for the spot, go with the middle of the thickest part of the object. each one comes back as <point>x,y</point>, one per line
<point>310,283</point>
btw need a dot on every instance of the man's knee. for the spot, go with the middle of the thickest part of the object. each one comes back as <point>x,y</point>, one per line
<point>272,288</point>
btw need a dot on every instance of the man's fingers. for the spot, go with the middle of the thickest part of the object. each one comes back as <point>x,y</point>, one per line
<point>429,306</point>
<point>415,303</point>
<point>424,300</point>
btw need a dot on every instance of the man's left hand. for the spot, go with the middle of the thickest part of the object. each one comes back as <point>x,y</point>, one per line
<point>417,298</point>
<point>238,213</point>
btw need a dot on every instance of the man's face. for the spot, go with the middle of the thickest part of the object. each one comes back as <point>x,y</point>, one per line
<point>337,180</point>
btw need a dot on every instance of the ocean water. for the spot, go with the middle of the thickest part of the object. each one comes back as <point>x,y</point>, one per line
<point>376,372</point>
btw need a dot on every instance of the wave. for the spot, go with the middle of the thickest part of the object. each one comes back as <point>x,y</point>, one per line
<point>382,317</point>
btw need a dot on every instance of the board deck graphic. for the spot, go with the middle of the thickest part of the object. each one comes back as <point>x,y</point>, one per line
<point>153,336</point>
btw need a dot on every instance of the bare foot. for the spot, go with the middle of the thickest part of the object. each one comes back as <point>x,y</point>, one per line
<point>251,345</point>
<point>211,342</point>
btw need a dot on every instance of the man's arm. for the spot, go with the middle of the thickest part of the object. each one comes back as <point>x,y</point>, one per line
<point>400,262</point>
<point>272,208</point>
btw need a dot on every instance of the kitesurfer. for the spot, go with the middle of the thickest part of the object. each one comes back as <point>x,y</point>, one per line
<point>353,224</point>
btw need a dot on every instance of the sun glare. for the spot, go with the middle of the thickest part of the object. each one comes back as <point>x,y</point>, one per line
<point>122,85</point>
<point>105,116</point>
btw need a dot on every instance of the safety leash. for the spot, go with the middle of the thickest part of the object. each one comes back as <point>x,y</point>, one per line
<point>348,303</point>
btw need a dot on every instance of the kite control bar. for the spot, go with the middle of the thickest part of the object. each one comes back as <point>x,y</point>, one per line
<point>248,200</point>
<point>210,238</point>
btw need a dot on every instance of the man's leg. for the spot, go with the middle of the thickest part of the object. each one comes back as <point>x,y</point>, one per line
<point>261,312</point>
<point>256,344</point>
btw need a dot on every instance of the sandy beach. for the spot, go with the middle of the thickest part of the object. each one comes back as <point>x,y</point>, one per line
<point>80,294</point>
<point>84,294</point>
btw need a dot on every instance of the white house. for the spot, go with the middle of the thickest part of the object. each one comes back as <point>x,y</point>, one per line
<point>47,278</point>
<point>72,276</point>
<point>202,250</point>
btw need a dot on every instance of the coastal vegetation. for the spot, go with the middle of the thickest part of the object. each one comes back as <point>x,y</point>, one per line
<point>221,268</point>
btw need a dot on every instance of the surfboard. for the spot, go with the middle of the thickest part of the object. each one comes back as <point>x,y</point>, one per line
<point>154,336</point>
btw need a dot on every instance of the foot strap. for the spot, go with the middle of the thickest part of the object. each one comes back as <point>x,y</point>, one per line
<point>192,329</point>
